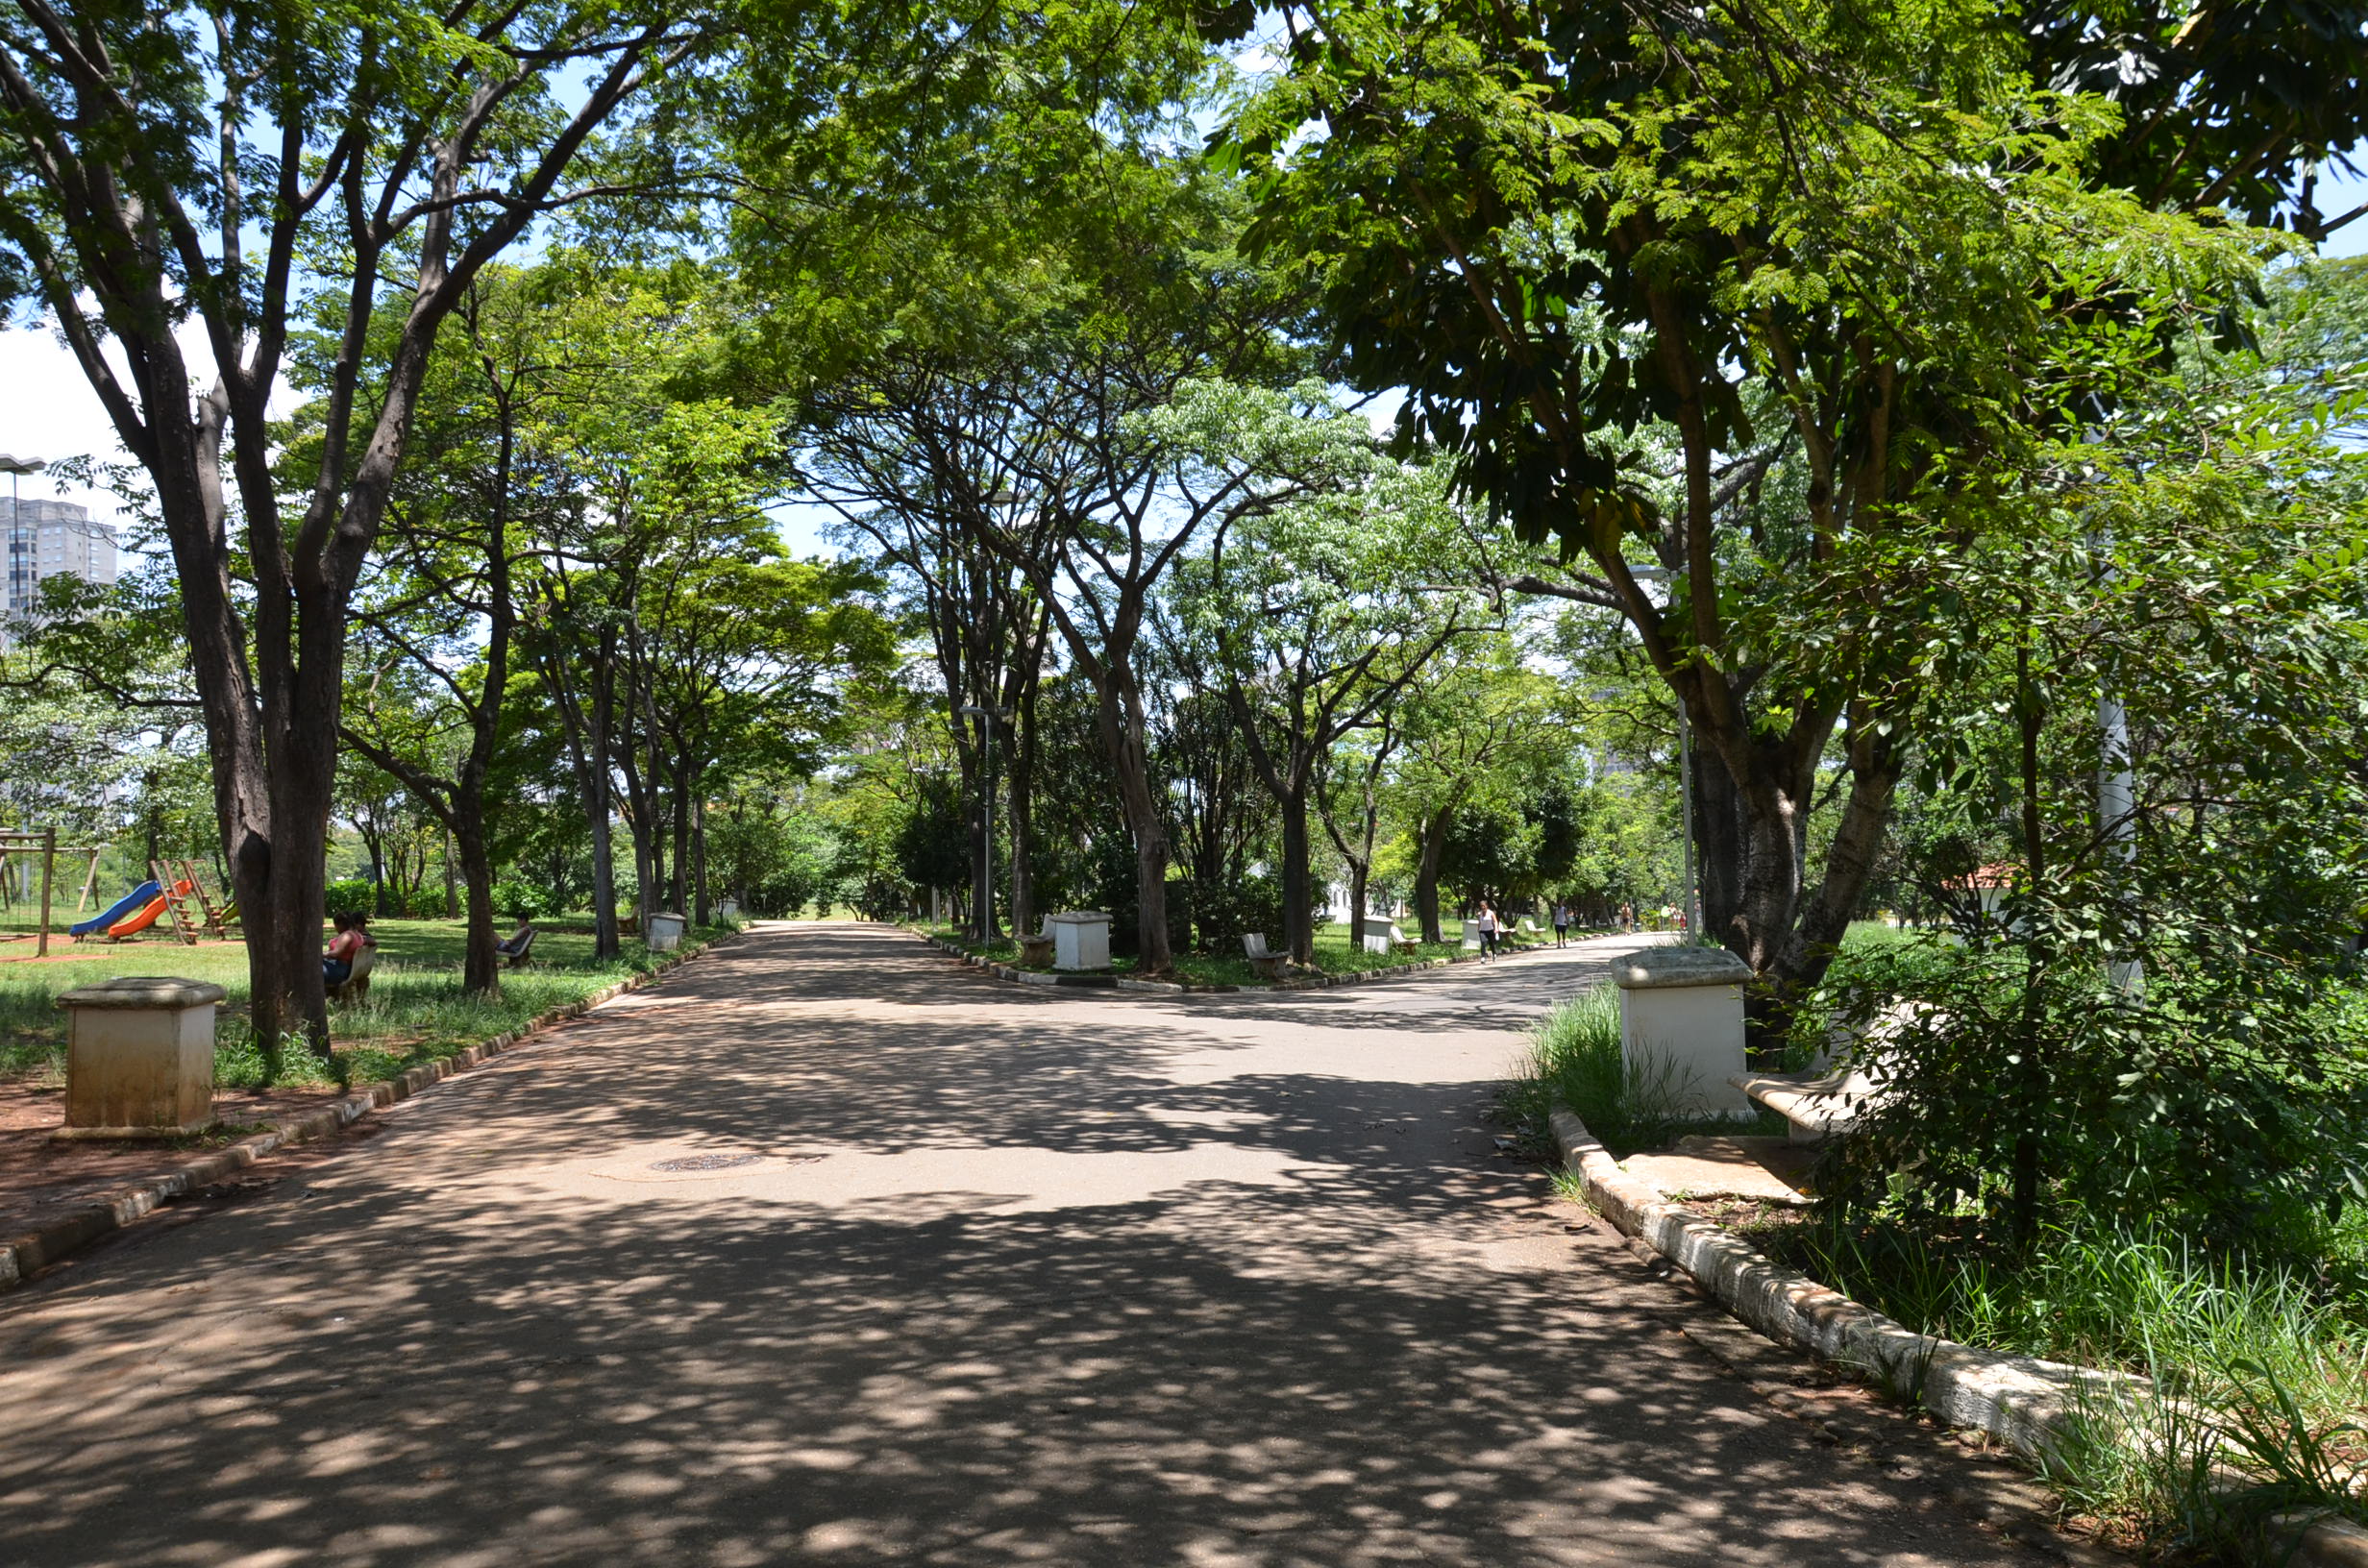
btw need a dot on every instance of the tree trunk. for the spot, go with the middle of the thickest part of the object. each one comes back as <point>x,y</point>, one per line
<point>1426,874</point>
<point>675,887</point>
<point>452,885</point>
<point>1021,823</point>
<point>637,823</point>
<point>1121,714</point>
<point>376,843</point>
<point>1299,924</point>
<point>699,860</point>
<point>481,970</point>
<point>1718,841</point>
<point>981,802</point>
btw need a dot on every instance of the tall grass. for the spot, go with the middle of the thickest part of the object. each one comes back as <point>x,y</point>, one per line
<point>2259,1375</point>
<point>1575,1060</point>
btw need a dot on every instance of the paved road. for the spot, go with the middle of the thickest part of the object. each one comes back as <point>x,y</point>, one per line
<point>1004,1277</point>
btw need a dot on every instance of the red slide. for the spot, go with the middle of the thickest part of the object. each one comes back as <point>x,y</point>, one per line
<point>133,924</point>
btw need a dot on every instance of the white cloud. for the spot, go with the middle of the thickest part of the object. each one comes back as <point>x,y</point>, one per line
<point>49,411</point>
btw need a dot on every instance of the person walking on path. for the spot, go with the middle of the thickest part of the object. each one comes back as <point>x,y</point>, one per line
<point>1562,922</point>
<point>1486,922</point>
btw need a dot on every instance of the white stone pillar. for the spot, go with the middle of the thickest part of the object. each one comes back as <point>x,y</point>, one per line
<point>139,1057</point>
<point>1081,939</point>
<point>1681,1026</point>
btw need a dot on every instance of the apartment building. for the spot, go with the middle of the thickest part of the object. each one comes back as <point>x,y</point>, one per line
<point>49,539</point>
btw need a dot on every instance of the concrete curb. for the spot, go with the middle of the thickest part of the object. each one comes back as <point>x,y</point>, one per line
<point>21,1256</point>
<point>2024,1403</point>
<point>1122,982</point>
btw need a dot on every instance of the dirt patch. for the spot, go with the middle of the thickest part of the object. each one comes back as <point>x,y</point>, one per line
<point>41,1181</point>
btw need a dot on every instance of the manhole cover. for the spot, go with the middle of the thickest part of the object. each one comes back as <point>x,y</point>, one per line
<point>707,1161</point>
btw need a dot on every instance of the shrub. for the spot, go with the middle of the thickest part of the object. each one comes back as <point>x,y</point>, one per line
<point>1224,914</point>
<point>2229,1105</point>
<point>352,893</point>
<point>515,898</point>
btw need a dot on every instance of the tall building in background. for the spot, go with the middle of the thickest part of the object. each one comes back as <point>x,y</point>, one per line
<point>50,539</point>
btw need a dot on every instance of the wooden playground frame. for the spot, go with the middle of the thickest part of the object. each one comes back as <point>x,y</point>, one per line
<point>46,844</point>
<point>189,924</point>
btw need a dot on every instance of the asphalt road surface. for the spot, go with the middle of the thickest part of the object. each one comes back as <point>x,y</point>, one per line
<point>826,1250</point>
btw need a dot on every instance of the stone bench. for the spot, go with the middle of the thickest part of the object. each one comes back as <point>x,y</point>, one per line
<point>1383,936</point>
<point>1269,963</point>
<point>1816,1106</point>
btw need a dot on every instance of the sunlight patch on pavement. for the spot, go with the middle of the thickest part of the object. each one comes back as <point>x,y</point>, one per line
<point>999,1180</point>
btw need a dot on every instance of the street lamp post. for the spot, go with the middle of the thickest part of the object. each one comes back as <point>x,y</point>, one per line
<point>983,870</point>
<point>1684,775</point>
<point>17,468</point>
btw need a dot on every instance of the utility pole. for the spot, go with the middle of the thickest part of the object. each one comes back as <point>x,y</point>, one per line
<point>982,869</point>
<point>21,567</point>
<point>1684,774</point>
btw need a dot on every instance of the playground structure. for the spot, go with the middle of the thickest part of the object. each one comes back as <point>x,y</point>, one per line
<point>45,846</point>
<point>173,888</point>
<point>176,893</point>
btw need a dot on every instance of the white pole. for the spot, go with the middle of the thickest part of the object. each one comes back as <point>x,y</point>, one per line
<point>1685,790</point>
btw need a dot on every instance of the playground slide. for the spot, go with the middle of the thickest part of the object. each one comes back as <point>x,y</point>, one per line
<point>133,925</point>
<point>105,917</point>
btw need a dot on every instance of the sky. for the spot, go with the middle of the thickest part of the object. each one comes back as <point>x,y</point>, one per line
<point>48,412</point>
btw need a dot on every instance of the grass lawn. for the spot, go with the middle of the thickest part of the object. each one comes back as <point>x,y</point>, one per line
<point>415,1012</point>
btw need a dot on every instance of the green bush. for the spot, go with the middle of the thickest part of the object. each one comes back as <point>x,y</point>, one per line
<point>1222,915</point>
<point>349,894</point>
<point>2230,1106</point>
<point>515,898</point>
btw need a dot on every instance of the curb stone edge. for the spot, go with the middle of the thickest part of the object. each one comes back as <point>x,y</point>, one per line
<point>1122,982</point>
<point>2023,1402</point>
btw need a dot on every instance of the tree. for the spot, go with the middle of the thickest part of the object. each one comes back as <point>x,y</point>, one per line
<point>2171,983</point>
<point>1017,402</point>
<point>900,448</point>
<point>1320,614</point>
<point>439,594</point>
<point>1468,735</point>
<point>144,153</point>
<point>1746,244</point>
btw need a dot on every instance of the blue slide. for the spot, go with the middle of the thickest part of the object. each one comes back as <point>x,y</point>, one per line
<point>131,900</point>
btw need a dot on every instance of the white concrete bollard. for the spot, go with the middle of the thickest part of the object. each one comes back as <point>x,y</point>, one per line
<point>1081,939</point>
<point>139,1057</point>
<point>1681,1026</point>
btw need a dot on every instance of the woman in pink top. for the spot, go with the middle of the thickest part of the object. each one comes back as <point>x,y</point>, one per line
<point>337,963</point>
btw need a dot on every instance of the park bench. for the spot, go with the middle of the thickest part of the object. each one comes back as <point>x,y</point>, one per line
<point>1528,931</point>
<point>355,987</point>
<point>1830,1100</point>
<point>517,957</point>
<point>1269,963</point>
<point>1036,951</point>
<point>1816,1106</point>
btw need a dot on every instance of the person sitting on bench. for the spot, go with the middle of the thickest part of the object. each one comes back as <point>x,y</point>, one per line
<point>514,946</point>
<point>337,963</point>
